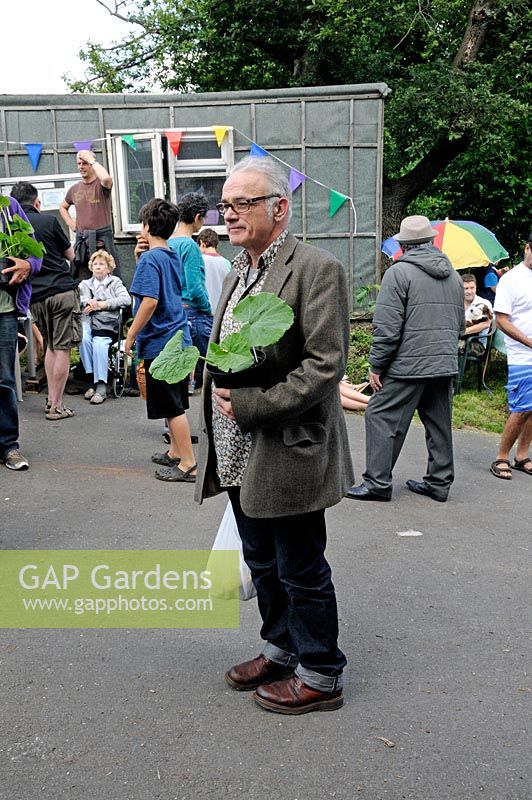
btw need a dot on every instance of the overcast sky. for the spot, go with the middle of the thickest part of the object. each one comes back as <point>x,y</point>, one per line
<point>55,31</point>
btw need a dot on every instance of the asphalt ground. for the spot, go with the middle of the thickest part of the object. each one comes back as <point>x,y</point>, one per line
<point>435,628</point>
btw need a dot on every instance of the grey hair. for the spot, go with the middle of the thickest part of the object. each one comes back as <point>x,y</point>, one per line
<point>279,183</point>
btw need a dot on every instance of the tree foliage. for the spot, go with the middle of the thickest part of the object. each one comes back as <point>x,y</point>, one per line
<point>457,123</point>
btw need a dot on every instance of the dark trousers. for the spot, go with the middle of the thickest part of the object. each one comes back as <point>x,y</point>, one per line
<point>387,419</point>
<point>8,395</point>
<point>295,593</point>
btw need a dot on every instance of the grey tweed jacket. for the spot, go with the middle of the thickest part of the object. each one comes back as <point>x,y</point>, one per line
<point>300,459</point>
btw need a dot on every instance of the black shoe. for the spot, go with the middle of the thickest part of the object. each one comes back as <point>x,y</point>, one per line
<point>420,487</point>
<point>363,493</point>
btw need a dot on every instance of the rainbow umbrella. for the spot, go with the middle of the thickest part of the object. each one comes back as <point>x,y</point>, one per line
<point>467,244</point>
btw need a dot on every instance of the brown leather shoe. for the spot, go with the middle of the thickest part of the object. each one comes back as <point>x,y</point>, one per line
<point>247,676</point>
<point>292,696</point>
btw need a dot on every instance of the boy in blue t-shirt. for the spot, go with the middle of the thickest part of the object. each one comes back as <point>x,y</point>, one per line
<point>159,314</point>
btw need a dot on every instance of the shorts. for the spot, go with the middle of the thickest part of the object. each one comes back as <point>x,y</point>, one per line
<point>519,387</point>
<point>59,319</point>
<point>163,399</point>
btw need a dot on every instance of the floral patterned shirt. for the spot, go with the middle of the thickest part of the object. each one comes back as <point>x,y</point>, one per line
<point>231,445</point>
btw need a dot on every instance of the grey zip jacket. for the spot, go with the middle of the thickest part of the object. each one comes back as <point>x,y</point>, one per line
<point>418,317</point>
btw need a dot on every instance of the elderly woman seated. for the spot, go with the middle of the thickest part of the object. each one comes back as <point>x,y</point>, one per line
<point>102,297</point>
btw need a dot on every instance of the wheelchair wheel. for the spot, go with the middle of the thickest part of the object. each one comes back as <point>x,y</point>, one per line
<point>119,363</point>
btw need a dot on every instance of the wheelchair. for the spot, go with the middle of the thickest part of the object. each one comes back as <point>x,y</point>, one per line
<point>119,364</point>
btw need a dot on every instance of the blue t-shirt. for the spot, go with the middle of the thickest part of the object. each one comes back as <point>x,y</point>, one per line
<point>194,287</point>
<point>158,275</point>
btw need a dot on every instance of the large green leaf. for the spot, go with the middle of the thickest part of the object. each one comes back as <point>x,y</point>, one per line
<point>267,318</point>
<point>4,201</point>
<point>173,364</point>
<point>19,224</point>
<point>27,246</point>
<point>231,355</point>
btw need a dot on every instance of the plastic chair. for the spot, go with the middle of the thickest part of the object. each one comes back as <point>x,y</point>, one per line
<point>466,356</point>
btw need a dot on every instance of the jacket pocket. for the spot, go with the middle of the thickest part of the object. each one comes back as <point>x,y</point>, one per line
<point>304,435</point>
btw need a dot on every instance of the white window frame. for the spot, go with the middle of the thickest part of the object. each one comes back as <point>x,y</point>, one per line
<point>189,168</point>
<point>116,155</point>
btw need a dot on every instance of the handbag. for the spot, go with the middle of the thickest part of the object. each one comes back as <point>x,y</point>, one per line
<point>228,538</point>
<point>104,323</point>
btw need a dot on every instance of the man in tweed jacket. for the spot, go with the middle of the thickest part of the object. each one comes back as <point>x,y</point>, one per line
<point>281,450</point>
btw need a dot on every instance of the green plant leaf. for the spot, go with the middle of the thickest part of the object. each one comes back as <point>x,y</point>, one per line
<point>4,201</point>
<point>231,355</point>
<point>267,317</point>
<point>30,247</point>
<point>19,224</point>
<point>173,364</point>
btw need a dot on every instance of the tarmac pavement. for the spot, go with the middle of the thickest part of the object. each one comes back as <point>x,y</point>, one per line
<point>435,628</point>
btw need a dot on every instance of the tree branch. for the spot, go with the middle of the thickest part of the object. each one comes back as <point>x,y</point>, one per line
<point>133,20</point>
<point>480,17</point>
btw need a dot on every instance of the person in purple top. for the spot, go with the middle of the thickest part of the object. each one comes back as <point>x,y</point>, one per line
<point>14,301</point>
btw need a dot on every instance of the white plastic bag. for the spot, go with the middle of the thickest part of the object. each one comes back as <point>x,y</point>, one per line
<point>228,538</point>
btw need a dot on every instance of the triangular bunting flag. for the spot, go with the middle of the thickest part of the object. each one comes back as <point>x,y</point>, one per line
<point>34,153</point>
<point>219,132</point>
<point>336,201</point>
<point>257,151</point>
<point>174,137</point>
<point>296,179</point>
<point>129,140</point>
<point>83,144</point>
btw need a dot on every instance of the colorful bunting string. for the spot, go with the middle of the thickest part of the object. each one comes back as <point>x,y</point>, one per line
<point>296,178</point>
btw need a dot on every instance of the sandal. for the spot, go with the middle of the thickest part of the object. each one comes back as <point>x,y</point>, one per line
<point>520,465</point>
<point>174,474</point>
<point>59,413</point>
<point>505,473</point>
<point>47,406</point>
<point>165,459</point>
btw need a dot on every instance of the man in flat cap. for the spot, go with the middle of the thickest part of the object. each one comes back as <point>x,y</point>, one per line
<point>413,359</point>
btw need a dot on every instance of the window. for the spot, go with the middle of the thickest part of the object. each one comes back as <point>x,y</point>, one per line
<point>151,170</point>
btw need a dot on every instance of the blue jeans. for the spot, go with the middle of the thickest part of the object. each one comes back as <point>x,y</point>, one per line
<point>200,331</point>
<point>295,593</point>
<point>8,394</point>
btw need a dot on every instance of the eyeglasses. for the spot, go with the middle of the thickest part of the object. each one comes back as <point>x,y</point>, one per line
<point>242,206</point>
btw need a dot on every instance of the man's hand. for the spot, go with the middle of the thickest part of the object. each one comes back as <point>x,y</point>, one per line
<point>223,401</point>
<point>375,381</point>
<point>141,246</point>
<point>87,156</point>
<point>129,344</point>
<point>19,272</point>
